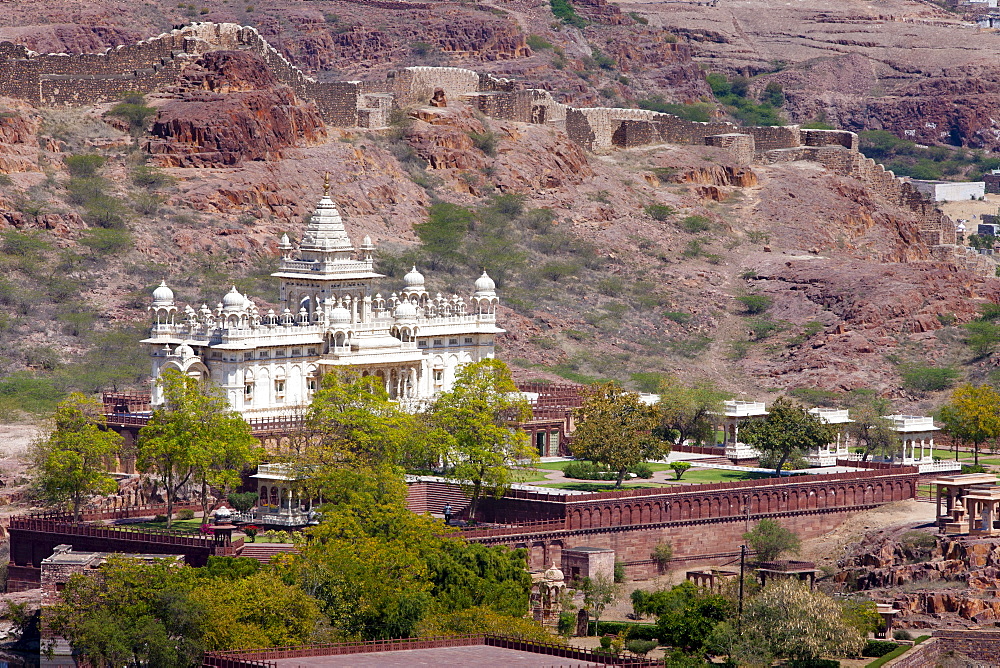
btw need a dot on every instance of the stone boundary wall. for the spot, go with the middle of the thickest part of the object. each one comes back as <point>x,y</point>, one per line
<point>925,654</point>
<point>977,644</point>
<point>414,85</point>
<point>700,502</point>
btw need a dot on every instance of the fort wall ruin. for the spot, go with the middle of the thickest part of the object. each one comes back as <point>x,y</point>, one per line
<point>54,79</point>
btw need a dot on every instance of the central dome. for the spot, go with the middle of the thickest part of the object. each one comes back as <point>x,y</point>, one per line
<point>233,300</point>
<point>414,279</point>
<point>163,294</point>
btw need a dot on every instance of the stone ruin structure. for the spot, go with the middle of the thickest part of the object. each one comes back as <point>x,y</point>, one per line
<point>52,79</point>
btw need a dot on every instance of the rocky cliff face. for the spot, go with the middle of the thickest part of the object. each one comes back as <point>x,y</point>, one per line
<point>953,580</point>
<point>229,109</point>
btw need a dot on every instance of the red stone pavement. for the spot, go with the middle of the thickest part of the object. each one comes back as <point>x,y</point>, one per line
<point>475,655</point>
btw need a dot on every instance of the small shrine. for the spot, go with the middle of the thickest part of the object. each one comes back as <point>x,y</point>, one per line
<point>954,517</point>
<point>546,596</point>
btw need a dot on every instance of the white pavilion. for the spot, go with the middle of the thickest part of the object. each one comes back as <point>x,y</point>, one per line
<point>270,364</point>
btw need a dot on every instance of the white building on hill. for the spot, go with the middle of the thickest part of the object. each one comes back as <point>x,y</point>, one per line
<point>270,364</point>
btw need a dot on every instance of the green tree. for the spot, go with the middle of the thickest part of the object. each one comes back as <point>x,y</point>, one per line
<point>480,417</point>
<point>134,110</point>
<point>71,464</point>
<point>616,429</point>
<point>679,468</point>
<point>770,540</point>
<point>599,592</point>
<point>163,613</point>
<point>686,614</point>
<point>443,231</point>
<point>787,621</point>
<point>870,429</point>
<point>686,412</point>
<point>972,415</point>
<point>787,432</point>
<point>353,421</point>
<point>84,165</point>
<point>194,435</point>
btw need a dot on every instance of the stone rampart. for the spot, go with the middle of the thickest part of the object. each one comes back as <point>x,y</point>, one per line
<point>977,644</point>
<point>740,146</point>
<point>700,521</point>
<point>414,85</point>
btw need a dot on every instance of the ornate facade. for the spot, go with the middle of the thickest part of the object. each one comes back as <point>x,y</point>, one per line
<point>331,316</point>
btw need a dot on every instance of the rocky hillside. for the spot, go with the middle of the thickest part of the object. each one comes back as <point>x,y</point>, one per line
<point>944,581</point>
<point>614,266</point>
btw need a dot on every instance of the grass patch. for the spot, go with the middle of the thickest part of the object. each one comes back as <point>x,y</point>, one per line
<point>704,476</point>
<point>179,525</point>
<point>597,486</point>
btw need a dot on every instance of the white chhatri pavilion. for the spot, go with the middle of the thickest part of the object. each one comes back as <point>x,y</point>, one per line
<point>828,454</point>
<point>734,414</point>
<point>270,364</point>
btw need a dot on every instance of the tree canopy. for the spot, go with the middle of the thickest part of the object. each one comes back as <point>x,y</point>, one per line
<point>355,423</point>
<point>162,613</point>
<point>789,621</point>
<point>71,464</point>
<point>686,614</point>
<point>770,540</point>
<point>870,429</point>
<point>788,431</point>
<point>195,436</point>
<point>686,412</point>
<point>478,420</point>
<point>972,415</point>
<point>381,571</point>
<point>616,428</point>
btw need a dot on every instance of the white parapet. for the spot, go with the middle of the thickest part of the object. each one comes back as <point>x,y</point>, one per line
<point>734,408</point>
<point>832,415</point>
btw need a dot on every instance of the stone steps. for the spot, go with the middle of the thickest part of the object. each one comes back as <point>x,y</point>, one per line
<point>263,552</point>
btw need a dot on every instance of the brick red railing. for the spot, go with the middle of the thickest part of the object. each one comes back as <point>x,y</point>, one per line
<point>124,512</point>
<point>58,524</point>
<point>520,527</point>
<point>244,658</point>
<point>797,481</point>
<point>700,449</point>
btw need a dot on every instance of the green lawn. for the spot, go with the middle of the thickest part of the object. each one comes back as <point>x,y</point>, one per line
<point>702,476</point>
<point>180,525</point>
<point>597,486</point>
<point>528,476</point>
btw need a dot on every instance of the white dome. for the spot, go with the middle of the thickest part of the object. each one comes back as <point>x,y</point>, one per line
<point>414,279</point>
<point>554,573</point>
<point>340,316</point>
<point>184,351</point>
<point>485,284</point>
<point>405,310</point>
<point>163,294</point>
<point>233,300</point>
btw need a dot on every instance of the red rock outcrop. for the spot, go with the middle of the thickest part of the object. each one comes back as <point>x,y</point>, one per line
<point>230,110</point>
<point>18,138</point>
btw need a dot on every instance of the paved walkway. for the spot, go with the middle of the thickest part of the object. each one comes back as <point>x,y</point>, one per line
<point>474,655</point>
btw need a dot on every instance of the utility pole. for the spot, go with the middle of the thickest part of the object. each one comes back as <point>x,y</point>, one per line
<point>739,609</point>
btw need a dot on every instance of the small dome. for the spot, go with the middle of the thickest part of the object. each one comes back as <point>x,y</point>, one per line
<point>285,242</point>
<point>485,284</point>
<point>184,351</point>
<point>366,243</point>
<point>163,294</point>
<point>340,316</point>
<point>554,573</point>
<point>414,279</point>
<point>405,310</point>
<point>233,300</point>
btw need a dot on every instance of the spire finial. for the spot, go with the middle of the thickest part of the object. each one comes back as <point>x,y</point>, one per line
<point>326,184</point>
